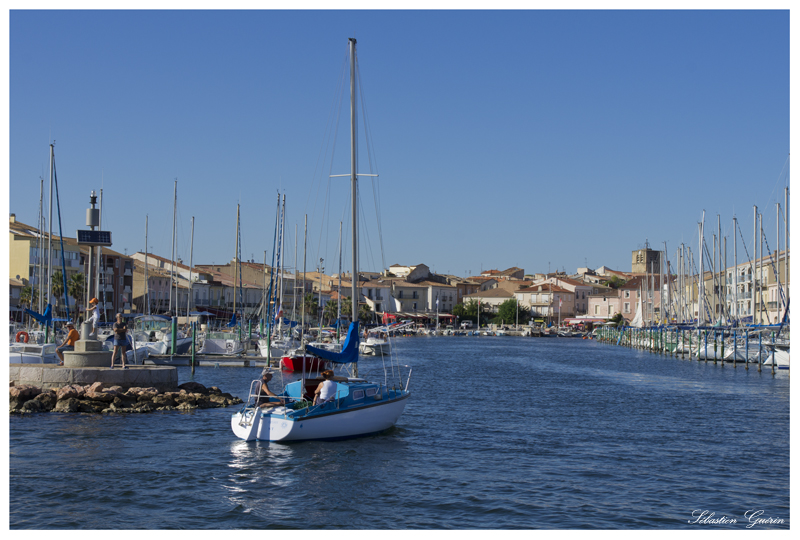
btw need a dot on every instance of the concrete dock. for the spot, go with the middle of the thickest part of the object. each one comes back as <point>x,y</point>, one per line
<point>164,378</point>
<point>209,361</point>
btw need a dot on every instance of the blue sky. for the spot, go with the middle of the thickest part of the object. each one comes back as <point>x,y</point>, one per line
<point>538,139</point>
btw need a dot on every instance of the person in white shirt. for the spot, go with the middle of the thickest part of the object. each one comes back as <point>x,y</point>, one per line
<point>326,390</point>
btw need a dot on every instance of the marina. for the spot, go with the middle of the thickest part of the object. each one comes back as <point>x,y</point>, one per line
<point>472,350</point>
<point>578,435</point>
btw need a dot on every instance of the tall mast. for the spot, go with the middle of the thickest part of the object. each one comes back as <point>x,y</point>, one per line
<point>778,256</point>
<point>753,267</point>
<point>172,265</point>
<point>146,281</point>
<point>280,265</point>
<point>353,177</point>
<point>786,241</point>
<point>714,279</point>
<point>50,235</point>
<point>303,297</point>
<point>701,292</point>
<point>236,261</point>
<point>191,254</point>
<point>294,278</point>
<point>735,277</point>
<point>761,268</point>
<point>100,264</point>
<point>339,295</point>
<point>264,294</point>
<point>40,245</point>
<point>719,288</point>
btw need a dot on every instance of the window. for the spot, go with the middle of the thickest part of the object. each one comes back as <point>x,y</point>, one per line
<point>610,309</point>
<point>596,310</point>
<point>400,295</point>
<point>627,294</point>
<point>371,392</point>
<point>627,308</point>
<point>415,306</point>
<point>358,394</point>
<point>414,295</point>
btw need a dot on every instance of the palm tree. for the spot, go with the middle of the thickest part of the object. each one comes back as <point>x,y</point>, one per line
<point>75,288</point>
<point>58,287</point>
<point>312,308</point>
<point>330,311</point>
<point>28,296</point>
<point>347,308</point>
<point>365,314</point>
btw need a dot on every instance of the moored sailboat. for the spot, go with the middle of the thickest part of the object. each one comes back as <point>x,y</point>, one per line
<point>357,407</point>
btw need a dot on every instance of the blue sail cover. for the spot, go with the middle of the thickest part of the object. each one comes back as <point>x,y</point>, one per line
<point>349,352</point>
<point>233,321</point>
<point>44,318</point>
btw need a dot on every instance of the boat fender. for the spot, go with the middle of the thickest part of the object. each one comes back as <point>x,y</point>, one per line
<point>22,337</point>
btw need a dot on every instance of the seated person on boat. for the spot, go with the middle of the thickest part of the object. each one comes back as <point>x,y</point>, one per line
<point>326,390</point>
<point>266,397</point>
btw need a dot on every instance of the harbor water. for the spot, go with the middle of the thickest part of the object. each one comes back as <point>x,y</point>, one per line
<point>499,433</point>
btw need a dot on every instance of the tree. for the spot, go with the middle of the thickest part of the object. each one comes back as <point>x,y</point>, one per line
<point>347,308</point>
<point>28,296</point>
<point>617,319</point>
<point>616,282</point>
<point>364,311</point>
<point>311,305</point>
<point>507,312</point>
<point>329,313</point>
<point>75,288</point>
<point>365,314</point>
<point>58,288</point>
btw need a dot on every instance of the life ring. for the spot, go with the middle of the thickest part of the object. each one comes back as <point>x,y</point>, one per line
<point>22,337</point>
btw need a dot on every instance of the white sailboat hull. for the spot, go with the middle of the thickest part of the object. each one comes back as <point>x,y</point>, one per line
<point>266,426</point>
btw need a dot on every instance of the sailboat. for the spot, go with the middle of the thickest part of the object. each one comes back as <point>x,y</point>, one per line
<point>359,407</point>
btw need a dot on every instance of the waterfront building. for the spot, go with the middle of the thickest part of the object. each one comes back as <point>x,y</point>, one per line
<point>580,289</point>
<point>491,298</point>
<point>112,285</point>
<point>547,301</point>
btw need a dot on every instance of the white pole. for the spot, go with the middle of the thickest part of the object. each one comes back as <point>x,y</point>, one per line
<point>735,276</point>
<point>191,260</point>
<point>753,268</point>
<point>172,264</point>
<point>146,279</point>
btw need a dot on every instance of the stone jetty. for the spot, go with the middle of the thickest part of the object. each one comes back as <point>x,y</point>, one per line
<point>99,397</point>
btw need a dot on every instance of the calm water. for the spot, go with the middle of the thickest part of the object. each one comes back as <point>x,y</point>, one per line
<point>500,433</point>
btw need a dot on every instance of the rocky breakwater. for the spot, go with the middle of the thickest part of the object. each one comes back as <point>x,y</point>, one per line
<point>99,398</point>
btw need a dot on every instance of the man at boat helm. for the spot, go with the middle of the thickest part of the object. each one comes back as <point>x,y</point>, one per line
<point>266,397</point>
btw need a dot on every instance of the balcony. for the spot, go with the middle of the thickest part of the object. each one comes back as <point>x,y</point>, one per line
<point>128,272</point>
<point>127,289</point>
<point>126,305</point>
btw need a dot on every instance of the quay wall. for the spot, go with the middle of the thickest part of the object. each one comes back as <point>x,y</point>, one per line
<point>45,376</point>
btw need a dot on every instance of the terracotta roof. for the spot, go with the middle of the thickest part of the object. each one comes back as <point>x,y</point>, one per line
<point>549,287</point>
<point>491,293</point>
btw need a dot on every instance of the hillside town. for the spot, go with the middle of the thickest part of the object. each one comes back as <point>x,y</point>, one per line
<point>147,283</point>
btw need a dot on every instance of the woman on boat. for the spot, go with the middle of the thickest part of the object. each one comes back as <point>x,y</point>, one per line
<point>326,390</point>
<point>267,398</point>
